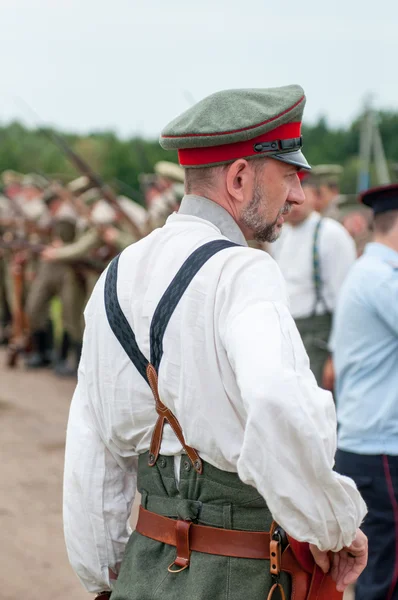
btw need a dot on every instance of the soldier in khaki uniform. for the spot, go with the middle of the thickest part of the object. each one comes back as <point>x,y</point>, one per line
<point>11,181</point>
<point>5,213</point>
<point>326,179</point>
<point>104,229</point>
<point>55,280</point>
<point>106,235</point>
<point>168,183</point>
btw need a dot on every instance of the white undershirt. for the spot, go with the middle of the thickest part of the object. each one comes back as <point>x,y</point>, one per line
<point>235,374</point>
<point>293,252</point>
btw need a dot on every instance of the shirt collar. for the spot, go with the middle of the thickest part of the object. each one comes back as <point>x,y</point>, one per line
<point>383,252</point>
<point>198,206</point>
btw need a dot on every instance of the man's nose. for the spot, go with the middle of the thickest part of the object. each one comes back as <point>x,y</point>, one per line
<point>296,193</point>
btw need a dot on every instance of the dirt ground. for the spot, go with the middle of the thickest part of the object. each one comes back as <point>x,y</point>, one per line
<point>33,415</point>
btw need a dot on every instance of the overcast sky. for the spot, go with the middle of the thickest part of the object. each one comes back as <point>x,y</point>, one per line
<point>133,65</point>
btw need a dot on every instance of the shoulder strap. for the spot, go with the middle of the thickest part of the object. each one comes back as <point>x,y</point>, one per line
<point>118,322</point>
<point>317,266</point>
<point>175,291</point>
<point>124,333</point>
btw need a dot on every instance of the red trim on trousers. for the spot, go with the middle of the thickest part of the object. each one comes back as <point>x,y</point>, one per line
<point>394,505</point>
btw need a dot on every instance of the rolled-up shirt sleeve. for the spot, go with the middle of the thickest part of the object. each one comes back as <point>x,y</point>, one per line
<point>99,489</point>
<point>290,430</point>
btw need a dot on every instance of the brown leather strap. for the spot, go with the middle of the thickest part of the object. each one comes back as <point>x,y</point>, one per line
<point>187,537</point>
<point>275,558</point>
<point>210,540</point>
<point>165,415</point>
<point>182,541</point>
<point>276,586</point>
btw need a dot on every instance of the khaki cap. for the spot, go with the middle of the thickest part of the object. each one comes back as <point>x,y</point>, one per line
<point>242,123</point>
<point>170,170</point>
<point>10,177</point>
<point>326,174</point>
<point>34,180</point>
<point>91,196</point>
<point>79,185</point>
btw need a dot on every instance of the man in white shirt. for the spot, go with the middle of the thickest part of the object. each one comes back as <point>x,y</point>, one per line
<point>314,254</point>
<point>194,378</point>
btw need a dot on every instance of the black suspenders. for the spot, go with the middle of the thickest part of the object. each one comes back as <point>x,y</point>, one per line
<point>169,301</point>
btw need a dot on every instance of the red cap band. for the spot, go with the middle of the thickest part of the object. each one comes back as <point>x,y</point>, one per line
<point>302,175</point>
<point>194,157</point>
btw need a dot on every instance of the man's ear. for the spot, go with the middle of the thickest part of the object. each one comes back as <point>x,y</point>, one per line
<point>240,180</point>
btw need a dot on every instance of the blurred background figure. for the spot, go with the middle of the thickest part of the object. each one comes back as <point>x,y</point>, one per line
<point>344,208</point>
<point>314,254</point>
<point>164,193</point>
<point>326,180</point>
<point>365,354</point>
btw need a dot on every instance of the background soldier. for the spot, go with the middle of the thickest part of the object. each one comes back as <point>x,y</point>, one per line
<point>169,178</point>
<point>365,354</point>
<point>54,280</point>
<point>326,178</point>
<point>314,254</point>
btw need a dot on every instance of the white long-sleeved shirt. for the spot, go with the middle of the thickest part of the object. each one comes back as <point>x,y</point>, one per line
<point>235,374</point>
<point>293,252</point>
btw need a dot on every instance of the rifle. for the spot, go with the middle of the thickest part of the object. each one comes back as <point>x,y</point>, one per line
<point>95,179</point>
<point>19,245</point>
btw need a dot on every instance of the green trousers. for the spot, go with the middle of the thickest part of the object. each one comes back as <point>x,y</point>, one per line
<point>214,498</point>
<point>315,332</point>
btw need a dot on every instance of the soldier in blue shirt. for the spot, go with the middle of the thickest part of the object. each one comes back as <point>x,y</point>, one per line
<point>365,354</point>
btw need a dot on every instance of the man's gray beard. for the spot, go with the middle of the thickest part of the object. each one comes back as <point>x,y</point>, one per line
<point>252,219</point>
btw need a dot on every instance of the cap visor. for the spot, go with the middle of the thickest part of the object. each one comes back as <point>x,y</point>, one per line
<point>296,158</point>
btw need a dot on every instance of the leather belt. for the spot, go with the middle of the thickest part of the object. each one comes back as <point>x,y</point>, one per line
<point>308,581</point>
<point>187,536</point>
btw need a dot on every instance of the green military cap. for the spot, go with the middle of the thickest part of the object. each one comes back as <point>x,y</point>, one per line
<point>246,123</point>
<point>170,170</point>
<point>326,174</point>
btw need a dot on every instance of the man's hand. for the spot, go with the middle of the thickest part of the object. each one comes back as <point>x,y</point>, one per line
<point>345,566</point>
<point>110,235</point>
<point>49,254</point>
<point>328,375</point>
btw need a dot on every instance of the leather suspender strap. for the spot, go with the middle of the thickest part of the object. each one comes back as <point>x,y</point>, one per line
<point>165,415</point>
<point>149,370</point>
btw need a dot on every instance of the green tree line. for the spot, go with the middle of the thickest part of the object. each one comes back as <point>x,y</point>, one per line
<point>120,161</point>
